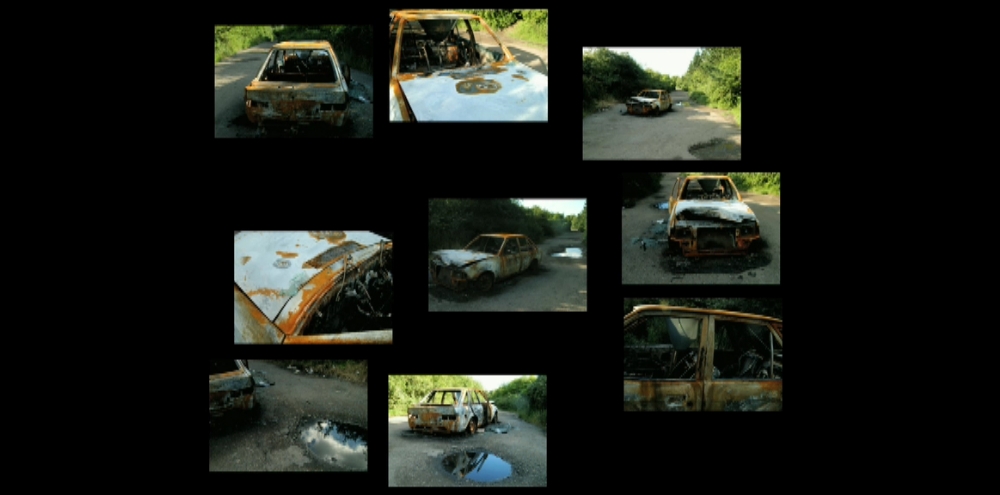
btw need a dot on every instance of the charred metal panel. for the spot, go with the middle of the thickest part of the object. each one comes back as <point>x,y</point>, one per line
<point>250,325</point>
<point>230,390</point>
<point>368,337</point>
<point>663,395</point>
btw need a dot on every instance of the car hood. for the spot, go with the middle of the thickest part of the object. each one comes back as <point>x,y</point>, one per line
<point>508,91</point>
<point>272,267</point>
<point>731,211</point>
<point>460,257</point>
<point>642,99</point>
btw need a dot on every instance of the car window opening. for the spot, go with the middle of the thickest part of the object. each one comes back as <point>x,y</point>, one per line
<point>663,348</point>
<point>362,304</point>
<point>435,45</point>
<point>300,66</point>
<point>746,352</point>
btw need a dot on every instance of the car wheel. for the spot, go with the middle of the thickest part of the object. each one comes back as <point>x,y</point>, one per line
<point>534,266</point>
<point>670,107</point>
<point>473,426</point>
<point>485,282</point>
<point>496,418</point>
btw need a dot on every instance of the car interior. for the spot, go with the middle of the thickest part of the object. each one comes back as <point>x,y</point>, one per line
<point>432,45</point>
<point>300,66</point>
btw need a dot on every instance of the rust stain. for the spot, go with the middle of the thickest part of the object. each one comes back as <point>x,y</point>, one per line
<point>265,292</point>
<point>245,259</point>
<point>251,309</point>
<point>477,86</point>
<point>287,255</point>
<point>331,236</point>
<point>519,76</point>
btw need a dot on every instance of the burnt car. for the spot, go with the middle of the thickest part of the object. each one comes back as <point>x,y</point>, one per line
<point>320,287</point>
<point>650,102</point>
<point>488,258</point>
<point>708,217</point>
<point>688,359</point>
<point>300,83</point>
<point>438,71</point>
<point>451,410</point>
<point>230,386</point>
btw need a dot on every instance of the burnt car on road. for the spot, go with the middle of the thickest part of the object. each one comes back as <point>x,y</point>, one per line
<point>650,102</point>
<point>438,71</point>
<point>315,287</point>
<point>707,216</point>
<point>300,83</point>
<point>488,258</point>
<point>452,410</point>
<point>688,359</point>
<point>230,386</point>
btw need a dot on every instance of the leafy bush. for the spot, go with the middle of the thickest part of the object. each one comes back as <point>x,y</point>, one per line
<point>699,98</point>
<point>534,16</point>
<point>353,44</point>
<point>230,40</point>
<point>635,186</point>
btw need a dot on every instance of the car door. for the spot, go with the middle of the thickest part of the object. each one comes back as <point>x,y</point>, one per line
<point>673,382</point>
<point>510,257</point>
<point>746,356</point>
<point>478,408</point>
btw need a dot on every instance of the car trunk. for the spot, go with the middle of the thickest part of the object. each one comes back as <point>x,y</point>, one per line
<point>299,102</point>
<point>494,92</point>
<point>435,418</point>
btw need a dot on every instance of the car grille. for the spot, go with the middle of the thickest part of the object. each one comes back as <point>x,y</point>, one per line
<point>713,239</point>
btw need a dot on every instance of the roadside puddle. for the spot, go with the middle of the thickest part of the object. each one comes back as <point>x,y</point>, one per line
<point>569,253</point>
<point>476,466</point>
<point>340,444</point>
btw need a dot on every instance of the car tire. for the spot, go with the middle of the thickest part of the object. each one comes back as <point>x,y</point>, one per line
<point>485,282</point>
<point>473,425</point>
<point>496,418</point>
<point>533,268</point>
<point>670,107</point>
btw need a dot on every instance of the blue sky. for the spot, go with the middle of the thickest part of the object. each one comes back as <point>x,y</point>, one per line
<point>564,206</point>
<point>671,61</point>
<point>493,382</point>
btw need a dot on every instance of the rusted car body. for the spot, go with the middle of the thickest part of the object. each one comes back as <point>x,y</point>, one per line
<point>301,82</point>
<point>230,386</point>
<point>289,287</point>
<point>451,410</point>
<point>686,359</point>
<point>439,72</point>
<point>708,217</point>
<point>488,258</point>
<point>650,102</point>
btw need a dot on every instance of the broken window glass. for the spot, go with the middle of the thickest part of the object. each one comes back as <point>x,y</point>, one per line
<point>746,351</point>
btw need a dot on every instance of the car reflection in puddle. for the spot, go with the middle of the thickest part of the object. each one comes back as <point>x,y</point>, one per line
<point>569,253</point>
<point>476,466</point>
<point>340,444</point>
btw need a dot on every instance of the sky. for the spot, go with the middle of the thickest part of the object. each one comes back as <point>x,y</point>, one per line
<point>493,382</point>
<point>670,61</point>
<point>564,206</point>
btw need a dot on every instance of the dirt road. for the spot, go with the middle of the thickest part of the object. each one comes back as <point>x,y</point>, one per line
<point>417,459</point>
<point>609,135</point>
<point>271,438</point>
<point>233,74</point>
<point>559,285</point>
<point>530,54</point>
<point>652,267</point>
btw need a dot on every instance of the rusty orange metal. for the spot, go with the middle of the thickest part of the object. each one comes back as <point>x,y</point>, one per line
<point>746,383</point>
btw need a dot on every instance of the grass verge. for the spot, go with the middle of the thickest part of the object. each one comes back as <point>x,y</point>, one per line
<point>349,371</point>
<point>230,40</point>
<point>537,33</point>
<point>768,183</point>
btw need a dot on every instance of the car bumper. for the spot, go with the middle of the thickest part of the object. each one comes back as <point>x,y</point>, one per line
<point>715,242</point>
<point>447,276</point>
<point>430,422</point>
<point>639,109</point>
<point>230,391</point>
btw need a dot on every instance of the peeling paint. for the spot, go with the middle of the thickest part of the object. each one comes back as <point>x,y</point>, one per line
<point>287,255</point>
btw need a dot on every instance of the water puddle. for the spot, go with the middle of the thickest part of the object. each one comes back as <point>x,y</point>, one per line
<point>569,253</point>
<point>499,428</point>
<point>340,444</point>
<point>717,149</point>
<point>476,466</point>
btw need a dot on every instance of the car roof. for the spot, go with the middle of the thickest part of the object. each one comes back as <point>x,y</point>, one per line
<point>302,45</point>
<point>416,15</point>
<point>502,235</point>
<point>718,312</point>
<point>706,177</point>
